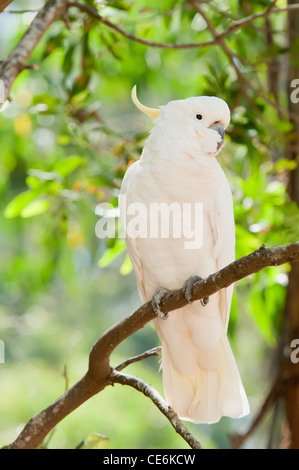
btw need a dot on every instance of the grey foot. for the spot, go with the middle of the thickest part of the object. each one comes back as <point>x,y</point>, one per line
<point>156,299</point>
<point>188,286</point>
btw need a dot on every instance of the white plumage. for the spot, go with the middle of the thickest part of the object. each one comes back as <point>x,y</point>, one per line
<point>178,164</point>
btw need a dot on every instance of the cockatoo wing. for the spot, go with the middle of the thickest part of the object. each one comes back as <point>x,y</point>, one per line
<point>201,381</point>
<point>132,243</point>
<point>223,230</point>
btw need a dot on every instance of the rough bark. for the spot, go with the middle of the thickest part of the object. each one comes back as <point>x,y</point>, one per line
<point>100,373</point>
<point>17,59</point>
<point>4,3</point>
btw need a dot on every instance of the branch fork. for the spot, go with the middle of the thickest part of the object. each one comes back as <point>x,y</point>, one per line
<point>100,373</point>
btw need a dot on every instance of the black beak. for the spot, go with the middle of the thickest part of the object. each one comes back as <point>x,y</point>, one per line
<point>218,127</point>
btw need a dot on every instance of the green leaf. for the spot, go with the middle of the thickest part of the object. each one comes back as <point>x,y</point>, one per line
<point>285,164</point>
<point>69,59</point>
<point>33,182</point>
<point>36,207</point>
<point>68,165</point>
<point>112,253</point>
<point>97,441</point>
<point>16,206</point>
<point>126,267</point>
<point>63,139</point>
<point>80,97</point>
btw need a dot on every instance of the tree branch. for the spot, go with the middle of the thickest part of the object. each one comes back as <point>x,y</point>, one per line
<point>263,14</point>
<point>41,424</point>
<point>166,410</point>
<point>100,373</point>
<point>55,9</point>
<point>16,60</point>
<point>245,83</point>
<point>93,12</point>
<point>217,37</point>
<point>4,3</point>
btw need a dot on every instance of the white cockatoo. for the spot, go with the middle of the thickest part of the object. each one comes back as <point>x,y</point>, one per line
<point>178,170</point>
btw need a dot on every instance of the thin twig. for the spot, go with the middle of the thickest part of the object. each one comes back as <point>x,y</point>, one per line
<point>251,18</point>
<point>244,82</point>
<point>66,378</point>
<point>93,12</point>
<point>21,11</point>
<point>166,410</point>
<point>99,370</point>
<point>150,353</point>
<point>55,9</point>
<point>218,37</point>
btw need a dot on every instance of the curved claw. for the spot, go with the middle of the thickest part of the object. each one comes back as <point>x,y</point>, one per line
<point>204,301</point>
<point>156,299</point>
<point>187,289</point>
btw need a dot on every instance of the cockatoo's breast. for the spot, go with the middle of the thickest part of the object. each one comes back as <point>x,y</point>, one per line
<point>193,187</point>
<point>181,174</point>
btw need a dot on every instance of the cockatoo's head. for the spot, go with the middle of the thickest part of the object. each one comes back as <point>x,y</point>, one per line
<point>198,124</point>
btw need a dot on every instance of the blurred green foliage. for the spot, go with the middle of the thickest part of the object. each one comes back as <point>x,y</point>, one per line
<point>67,137</point>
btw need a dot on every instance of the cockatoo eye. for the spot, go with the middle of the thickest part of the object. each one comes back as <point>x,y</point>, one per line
<point>199,116</point>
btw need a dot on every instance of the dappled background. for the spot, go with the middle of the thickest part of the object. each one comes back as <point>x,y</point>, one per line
<point>67,136</point>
